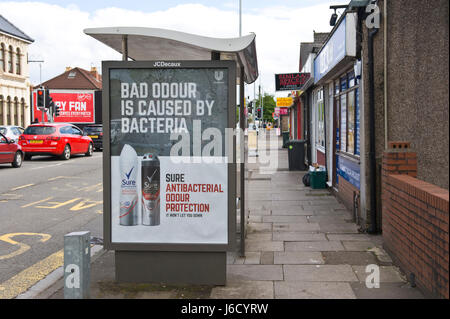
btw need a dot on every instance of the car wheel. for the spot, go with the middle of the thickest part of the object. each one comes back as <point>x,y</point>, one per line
<point>66,153</point>
<point>90,150</point>
<point>27,157</point>
<point>17,160</point>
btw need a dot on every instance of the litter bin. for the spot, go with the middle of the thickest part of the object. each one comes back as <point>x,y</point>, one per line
<point>318,178</point>
<point>296,155</point>
<point>285,138</point>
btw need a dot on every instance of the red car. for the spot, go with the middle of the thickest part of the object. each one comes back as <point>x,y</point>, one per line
<point>10,151</point>
<point>60,139</point>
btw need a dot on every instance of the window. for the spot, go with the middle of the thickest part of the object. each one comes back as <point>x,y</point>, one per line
<point>66,130</point>
<point>10,59</point>
<point>39,130</point>
<point>2,57</point>
<point>18,61</point>
<point>347,114</point>
<point>76,131</point>
<point>320,122</point>
<point>1,109</point>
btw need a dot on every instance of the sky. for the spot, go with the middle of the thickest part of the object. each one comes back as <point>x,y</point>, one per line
<point>57,28</point>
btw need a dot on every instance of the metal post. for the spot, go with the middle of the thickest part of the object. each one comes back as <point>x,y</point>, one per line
<point>124,47</point>
<point>77,261</point>
<point>242,164</point>
<point>240,18</point>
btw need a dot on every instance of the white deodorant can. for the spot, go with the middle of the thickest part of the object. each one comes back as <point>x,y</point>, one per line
<point>128,187</point>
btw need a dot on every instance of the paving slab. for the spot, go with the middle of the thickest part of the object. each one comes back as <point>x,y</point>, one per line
<point>259,205</point>
<point>340,219</point>
<point>291,211</point>
<point>313,290</point>
<point>387,274</point>
<point>298,258</point>
<point>244,290</point>
<point>284,219</point>
<point>336,273</point>
<point>349,237</point>
<point>349,258</point>
<point>314,246</point>
<point>296,236</point>
<point>252,258</point>
<point>259,245</point>
<point>299,227</point>
<point>387,290</point>
<point>254,272</point>
<point>259,227</point>
<point>267,258</point>
<point>327,227</point>
<point>358,245</point>
<point>259,212</point>
<point>259,236</point>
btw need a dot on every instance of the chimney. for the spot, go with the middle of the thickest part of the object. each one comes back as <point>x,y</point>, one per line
<point>94,72</point>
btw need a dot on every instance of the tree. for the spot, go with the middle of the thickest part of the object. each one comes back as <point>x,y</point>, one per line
<point>269,105</point>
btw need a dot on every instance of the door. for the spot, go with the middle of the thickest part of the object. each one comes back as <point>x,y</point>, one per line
<point>78,142</point>
<point>6,150</point>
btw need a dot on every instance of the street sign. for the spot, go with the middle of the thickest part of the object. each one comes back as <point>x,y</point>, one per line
<point>290,81</point>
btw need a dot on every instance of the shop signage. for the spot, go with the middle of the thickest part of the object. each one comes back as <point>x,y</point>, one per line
<point>290,81</point>
<point>348,170</point>
<point>281,111</point>
<point>75,106</point>
<point>169,177</point>
<point>284,101</point>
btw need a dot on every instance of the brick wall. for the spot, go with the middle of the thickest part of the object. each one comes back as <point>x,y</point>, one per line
<point>415,221</point>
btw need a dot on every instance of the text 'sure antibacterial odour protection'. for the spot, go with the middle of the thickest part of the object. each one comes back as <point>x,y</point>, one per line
<point>150,190</point>
<point>128,187</point>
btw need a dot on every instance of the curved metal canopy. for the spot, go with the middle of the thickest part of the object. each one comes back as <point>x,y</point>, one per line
<point>162,44</point>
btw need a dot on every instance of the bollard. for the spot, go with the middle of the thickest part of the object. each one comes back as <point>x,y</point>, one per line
<point>77,261</point>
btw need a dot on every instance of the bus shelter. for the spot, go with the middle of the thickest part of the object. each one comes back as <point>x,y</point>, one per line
<point>156,50</point>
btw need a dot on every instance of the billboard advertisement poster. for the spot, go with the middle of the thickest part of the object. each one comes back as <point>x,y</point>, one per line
<point>75,106</point>
<point>168,168</point>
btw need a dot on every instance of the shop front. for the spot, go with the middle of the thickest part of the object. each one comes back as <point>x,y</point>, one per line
<point>336,111</point>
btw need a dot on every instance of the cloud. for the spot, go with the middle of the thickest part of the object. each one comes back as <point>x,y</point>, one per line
<point>60,41</point>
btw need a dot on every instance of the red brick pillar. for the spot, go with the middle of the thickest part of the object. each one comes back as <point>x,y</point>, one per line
<point>397,160</point>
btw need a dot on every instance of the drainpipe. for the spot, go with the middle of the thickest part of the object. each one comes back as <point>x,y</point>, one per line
<point>372,159</point>
<point>385,74</point>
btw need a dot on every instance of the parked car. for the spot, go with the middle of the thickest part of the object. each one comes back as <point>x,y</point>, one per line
<point>60,139</point>
<point>95,132</point>
<point>10,151</point>
<point>11,131</point>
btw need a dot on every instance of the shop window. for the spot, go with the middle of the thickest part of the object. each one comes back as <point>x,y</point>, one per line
<point>10,59</point>
<point>18,61</point>
<point>320,119</point>
<point>347,116</point>
<point>351,122</point>
<point>2,57</point>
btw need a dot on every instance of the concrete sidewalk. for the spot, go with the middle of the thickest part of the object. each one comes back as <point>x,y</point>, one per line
<point>301,243</point>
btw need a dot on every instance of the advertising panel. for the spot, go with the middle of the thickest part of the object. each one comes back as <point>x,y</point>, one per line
<point>75,106</point>
<point>290,81</point>
<point>284,101</point>
<point>169,172</point>
<point>348,170</point>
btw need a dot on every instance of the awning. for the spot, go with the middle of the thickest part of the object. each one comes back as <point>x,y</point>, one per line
<point>169,45</point>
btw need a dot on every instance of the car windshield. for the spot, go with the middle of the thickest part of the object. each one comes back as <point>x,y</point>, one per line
<point>93,129</point>
<point>39,130</point>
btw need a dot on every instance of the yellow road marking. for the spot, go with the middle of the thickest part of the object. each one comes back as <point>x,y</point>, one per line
<point>90,188</point>
<point>22,247</point>
<point>84,204</point>
<point>59,204</point>
<point>37,202</point>
<point>21,282</point>
<point>20,187</point>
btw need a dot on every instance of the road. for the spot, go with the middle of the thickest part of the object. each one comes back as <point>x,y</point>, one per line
<point>39,203</point>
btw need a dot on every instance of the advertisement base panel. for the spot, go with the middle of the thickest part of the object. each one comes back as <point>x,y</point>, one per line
<point>200,268</point>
